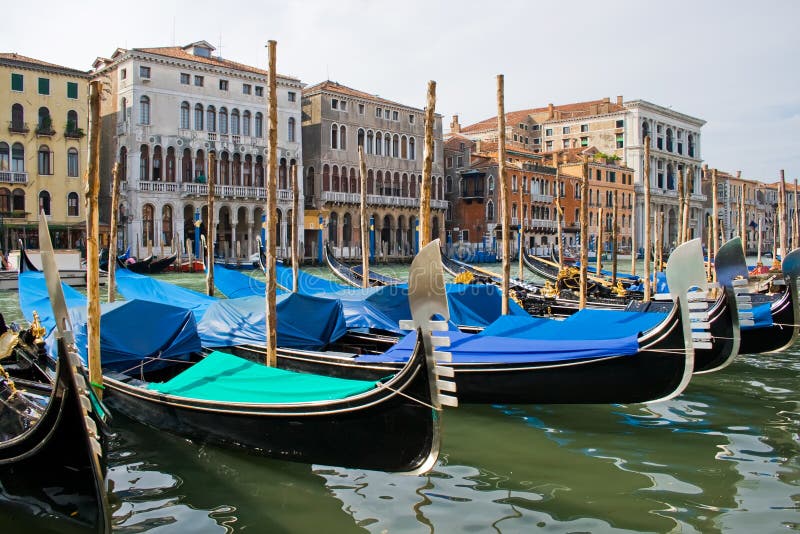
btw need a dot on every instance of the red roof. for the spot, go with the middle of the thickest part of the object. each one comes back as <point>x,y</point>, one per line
<point>13,56</point>
<point>335,87</point>
<point>177,52</point>
<point>578,109</point>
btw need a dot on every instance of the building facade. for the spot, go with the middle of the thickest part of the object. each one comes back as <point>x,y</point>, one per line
<point>336,121</point>
<point>176,113</point>
<point>43,150</point>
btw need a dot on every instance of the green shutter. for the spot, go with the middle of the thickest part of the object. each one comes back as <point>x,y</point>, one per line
<point>72,90</point>
<point>44,86</point>
<point>17,82</point>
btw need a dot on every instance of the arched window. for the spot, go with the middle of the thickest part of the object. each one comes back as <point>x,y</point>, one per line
<point>387,145</point>
<point>412,153</point>
<point>5,200</point>
<point>396,146</point>
<point>490,184</point>
<point>378,144</point>
<point>45,124</point>
<point>45,160</point>
<point>259,125</point>
<point>343,138</point>
<point>246,123</point>
<point>166,225</point>
<point>123,110</point>
<point>144,163</point>
<point>5,157</point>
<point>186,165</point>
<point>72,205</point>
<point>370,142</point>
<point>17,118</point>
<point>198,117</point>
<point>72,162</point>
<point>404,147</point>
<point>169,165</point>
<point>72,122</point>
<point>17,157</point>
<point>360,139</point>
<point>147,223</point>
<point>691,145</point>
<point>461,187</point>
<point>184,121</point>
<point>44,202</point>
<point>449,184</point>
<point>144,110</point>
<point>333,223</point>
<point>490,211</point>
<point>669,139</point>
<point>347,229</point>
<point>211,119</point>
<point>18,200</point>
<point>291,134</point>
<point>334,136</point>
<point>645,130</point>
<point>223,121</point>
<point>235,122</point>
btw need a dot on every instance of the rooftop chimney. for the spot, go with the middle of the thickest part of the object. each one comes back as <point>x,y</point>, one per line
<point>619,100</point>
<point>550,113</point>
<point>455,127</point>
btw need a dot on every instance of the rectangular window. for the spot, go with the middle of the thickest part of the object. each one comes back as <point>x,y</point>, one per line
<point>199,81</point>
<point>395,116</point>
<point>123,74</point>
<point>223,85</point>
<point>44,86</point>
<point>535,127</point>
<point>17,82</point>
<point>584,141</point>
<point>144,72</point>
<point>247,88</point>
<point>343,105</point>
<point>515,137</point>
<point>465,235</point>
<point>292,96</point>
<point>565,130</point>
<point>598,175</point>
<point>334,103</point>
<point>185,78</point>
<point>361,109</point>
<point>565,143</point>
<point>449,161</point>
<point>386,114</point>
<point>584,127</point>
<point>548,146</point>
<point>537,140</point>
<point>459,161</point>
<point>411,119</point>
<point>526,140</point>
<point>259,90</point>
<point>620,123</point>
<point>612,176</point>
<point>548,132</point>
<point>378,112</point>
<point>620,141</point>
<point>72,90</point>
<point>72,205</point>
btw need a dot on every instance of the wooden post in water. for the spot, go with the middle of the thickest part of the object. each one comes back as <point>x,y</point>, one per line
<point>708,248</point>
<point>599,244</point>
<point>688,177</point>
<point>783,217</point>
<point>362,169</point>
<point>210,226</point>
<point>743,217</point>
<point>272,208</point>
<point>614,232</point>
<point>760,225</point>
<point>295,230</point>
<point>559,214</point>
<point>714,244</point>
<point>661,240</point>
<point>584,216</point>
<point>681,195</point>
<point>632,220</point>
<point>112,240</point>
<point>795,220</point>
<point>92,191</point>
<point>647,219</point>
<point>427,169</point>
<point>505,197</point>
<point>521,230</point>
<point>189,251</point>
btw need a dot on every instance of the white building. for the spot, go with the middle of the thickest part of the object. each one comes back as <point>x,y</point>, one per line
<point>674,145</point>
<point>171,111</point>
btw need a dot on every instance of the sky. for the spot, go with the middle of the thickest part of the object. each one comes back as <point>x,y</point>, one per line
<point>734,64</point>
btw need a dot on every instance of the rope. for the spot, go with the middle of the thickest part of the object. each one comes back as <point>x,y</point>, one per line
<point>409,397</point>
<point>151,360</point>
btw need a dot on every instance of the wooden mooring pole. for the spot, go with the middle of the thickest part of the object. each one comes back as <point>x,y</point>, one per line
<point>647,219</point>
<point>92,191</point>
<point>427,169</point>
<point>112,239</point>
<point>272,208</point>
<point>505,197</point>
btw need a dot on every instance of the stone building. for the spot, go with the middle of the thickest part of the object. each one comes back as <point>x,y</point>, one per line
<point>336,121</point>
<point>43,148</point>
<point>171,112</point>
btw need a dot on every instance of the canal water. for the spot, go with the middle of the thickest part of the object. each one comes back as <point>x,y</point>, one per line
<point>723,456</point>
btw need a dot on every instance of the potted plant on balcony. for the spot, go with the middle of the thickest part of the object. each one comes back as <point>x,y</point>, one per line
<point>45,126</point>
<point>73,130</point>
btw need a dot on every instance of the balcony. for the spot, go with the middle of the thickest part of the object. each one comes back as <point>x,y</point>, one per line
<point>8,177</point>
<point>18,127</point>
<point>45,131</point>
<point>74,133</point>
<point>158,187</point>
<point>378,200</point>
<point>542,198</point>
<point>231,191</point>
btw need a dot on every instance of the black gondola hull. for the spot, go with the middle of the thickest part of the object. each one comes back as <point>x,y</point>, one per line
<point>780,334</point>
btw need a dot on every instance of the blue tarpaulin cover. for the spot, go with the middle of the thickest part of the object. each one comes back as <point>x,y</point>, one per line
<point>762,316</point>
<point>304,322</point>
<point>236,284</point>
<point>660,286</point>
<point>383,307</point>
<point>138,286</point>
<point>473,348</point>
<point>586,324</point>
<point>309,284</point>
<point>130,331</point>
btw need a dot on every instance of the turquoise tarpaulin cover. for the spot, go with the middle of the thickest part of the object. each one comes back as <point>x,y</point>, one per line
<point>228,378</point>
<point>473,348</point>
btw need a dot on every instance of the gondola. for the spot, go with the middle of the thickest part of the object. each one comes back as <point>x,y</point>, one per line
<point>785,311</point>
<point>659,367</point>
<point>160,265</point>
<point>388,424</point>
<point>52,458</point>
<point>138,266</point>
<point>354,275</point>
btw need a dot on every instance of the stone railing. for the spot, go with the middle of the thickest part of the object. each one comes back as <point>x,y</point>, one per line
<point>9,177</point>
<point>378,200</point>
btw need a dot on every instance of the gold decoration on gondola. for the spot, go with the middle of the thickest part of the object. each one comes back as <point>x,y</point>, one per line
<point>549,290</point>
<point>619,290</point>
<point>37,329</point>
<point>8,340</point>
<point>11,386</point>
<point>515,297</point>
<point>464,277</point>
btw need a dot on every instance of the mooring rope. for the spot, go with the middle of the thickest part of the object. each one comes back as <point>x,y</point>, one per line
<point>409,397</point>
